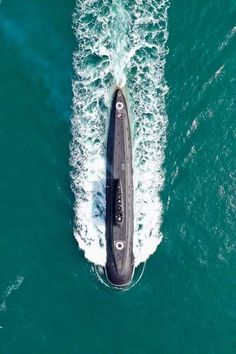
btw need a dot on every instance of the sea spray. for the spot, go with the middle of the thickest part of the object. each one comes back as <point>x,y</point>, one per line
<point>118,43</point>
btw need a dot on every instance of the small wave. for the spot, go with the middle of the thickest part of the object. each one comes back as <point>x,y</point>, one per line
<point>228,38</point>
<point>120,44</point>
<point>213,77</point>
<point>12,287</point>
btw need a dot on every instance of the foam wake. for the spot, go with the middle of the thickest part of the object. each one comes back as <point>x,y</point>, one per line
<point>119,43</point>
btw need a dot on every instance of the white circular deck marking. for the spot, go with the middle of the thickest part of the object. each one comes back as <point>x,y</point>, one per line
<point>119,245</point>
<point>119,105</point>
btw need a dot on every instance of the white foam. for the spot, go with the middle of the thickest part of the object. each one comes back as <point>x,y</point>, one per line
<point>124,46</point>
<point>213,78</point>
<point>12,287</point>
<point>228,38</point>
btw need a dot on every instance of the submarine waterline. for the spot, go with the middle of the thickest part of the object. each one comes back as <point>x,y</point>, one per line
<point>119,267</point>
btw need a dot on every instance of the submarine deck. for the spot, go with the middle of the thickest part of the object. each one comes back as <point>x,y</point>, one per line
<point>119,195</point>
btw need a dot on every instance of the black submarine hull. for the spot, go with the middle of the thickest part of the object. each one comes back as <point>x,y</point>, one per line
<point>119,267</point>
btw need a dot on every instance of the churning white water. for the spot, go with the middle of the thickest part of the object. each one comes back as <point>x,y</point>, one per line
<point>118,43</point>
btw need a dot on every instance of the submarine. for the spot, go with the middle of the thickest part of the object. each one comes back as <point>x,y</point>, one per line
<point>119,268</point>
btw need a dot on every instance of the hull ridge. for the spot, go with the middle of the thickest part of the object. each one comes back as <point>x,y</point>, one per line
<point>119,196</point>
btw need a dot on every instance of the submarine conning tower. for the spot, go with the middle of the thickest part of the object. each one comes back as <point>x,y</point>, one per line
<point>119,195</point>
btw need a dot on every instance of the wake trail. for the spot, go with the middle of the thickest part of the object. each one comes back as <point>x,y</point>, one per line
<point>120,44</point>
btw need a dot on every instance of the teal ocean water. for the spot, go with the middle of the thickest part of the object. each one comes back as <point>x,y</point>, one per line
<point>59,64</point>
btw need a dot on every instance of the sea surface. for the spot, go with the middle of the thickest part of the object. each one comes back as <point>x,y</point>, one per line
<point>60,62</point>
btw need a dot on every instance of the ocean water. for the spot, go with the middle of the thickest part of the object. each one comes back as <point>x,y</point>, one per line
<point>59,64</point>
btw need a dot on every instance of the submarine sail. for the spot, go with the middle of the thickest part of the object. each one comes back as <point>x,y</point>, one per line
<point>119,196</point>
